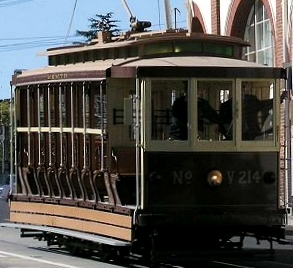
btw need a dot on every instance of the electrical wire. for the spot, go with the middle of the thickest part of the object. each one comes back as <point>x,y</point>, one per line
<point>6,3</point>
<point>71,20</point>
<point>12,44</point>
<point>33,42</point>
<point>159,11</point>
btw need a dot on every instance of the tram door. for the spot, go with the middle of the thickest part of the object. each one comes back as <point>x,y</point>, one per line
<point>121,138</point>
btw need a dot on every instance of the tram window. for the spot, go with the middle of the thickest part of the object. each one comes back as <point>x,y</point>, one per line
<point>42,108</point>
<point>257,110</point>
<point>100,109</point>
<point>169,109</point>
<point>42,148</point>
<point>52,107</point>
<point>33,106</point>
<point>21,94</point>
<point>62,107</point>
<point>188,47</point>
<point>218,49</point>
<point>77,111</point>
<point>57,60</point>
<point>160,48</point>
<point>214,110</point>
<point>133,51</point>
<point>87,110</point>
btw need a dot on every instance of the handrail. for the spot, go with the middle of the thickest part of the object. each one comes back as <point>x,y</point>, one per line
<point>51,171</point>
<point>41,169</point>
<point>75,172</point>
<point>87,173</point>
<point>61,171</point>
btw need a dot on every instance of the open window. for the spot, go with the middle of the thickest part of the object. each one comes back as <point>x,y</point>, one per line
<point>215,110</point>
<point>257,110</point>
<point>169,110</point>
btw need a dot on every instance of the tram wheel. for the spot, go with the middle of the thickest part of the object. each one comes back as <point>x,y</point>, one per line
<point>74,250</point>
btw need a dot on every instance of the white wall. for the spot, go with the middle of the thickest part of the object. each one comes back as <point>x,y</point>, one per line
<point>205,9</point>
<point>225,8</point>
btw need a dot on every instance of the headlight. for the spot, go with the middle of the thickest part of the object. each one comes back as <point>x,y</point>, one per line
<point>215,178</point>
<point>269,177</point>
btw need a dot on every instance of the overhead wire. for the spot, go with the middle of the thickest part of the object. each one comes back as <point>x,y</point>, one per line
<point>34,42</point>
<point>6,3</point>
<point>12,44</point>
<point>71,20</point>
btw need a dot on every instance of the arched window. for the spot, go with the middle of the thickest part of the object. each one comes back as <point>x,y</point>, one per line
<point>258,33</point>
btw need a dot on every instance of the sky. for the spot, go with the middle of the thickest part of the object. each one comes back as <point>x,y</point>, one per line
<point>30,27</point>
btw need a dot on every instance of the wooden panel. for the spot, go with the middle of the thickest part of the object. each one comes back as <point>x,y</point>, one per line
<point>73,212</point>
<point>94,227</point>
<point>30,218</point>
<point>73,224</point>
<point>126,161</point>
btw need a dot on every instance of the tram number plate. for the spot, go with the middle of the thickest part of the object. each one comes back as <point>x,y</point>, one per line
<point>244,177</point>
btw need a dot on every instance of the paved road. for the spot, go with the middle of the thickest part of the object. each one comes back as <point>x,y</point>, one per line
<point>16,252</point>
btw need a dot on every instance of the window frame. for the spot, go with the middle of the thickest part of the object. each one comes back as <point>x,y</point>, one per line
<point>192,144</point>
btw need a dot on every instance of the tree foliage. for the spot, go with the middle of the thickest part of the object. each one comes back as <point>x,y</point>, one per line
<point>4,113</point>
<point>100,23</point>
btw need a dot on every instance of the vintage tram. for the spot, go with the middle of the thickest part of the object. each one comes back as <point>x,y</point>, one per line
<point>149,142</point>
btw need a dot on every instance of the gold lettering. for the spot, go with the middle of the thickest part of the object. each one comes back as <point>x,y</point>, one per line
<point>57,76</point>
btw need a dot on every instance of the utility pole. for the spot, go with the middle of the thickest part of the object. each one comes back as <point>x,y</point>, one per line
<point>168,14</point>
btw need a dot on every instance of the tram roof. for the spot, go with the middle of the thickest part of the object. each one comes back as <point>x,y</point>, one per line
<point>133,38</point>
<point>199,66</point>
<point>187,62</point>
<point>189,66</point>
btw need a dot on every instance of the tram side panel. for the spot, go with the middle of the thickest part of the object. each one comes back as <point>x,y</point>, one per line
<point>50,131</point>
<point>51,142</point>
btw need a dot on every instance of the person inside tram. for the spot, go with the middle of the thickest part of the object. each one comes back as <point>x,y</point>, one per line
<point>251,107</point>
<point>178,130</point>
<point>250,125</point>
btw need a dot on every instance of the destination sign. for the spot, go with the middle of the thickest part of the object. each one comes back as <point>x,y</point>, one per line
<point>57,76</point>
